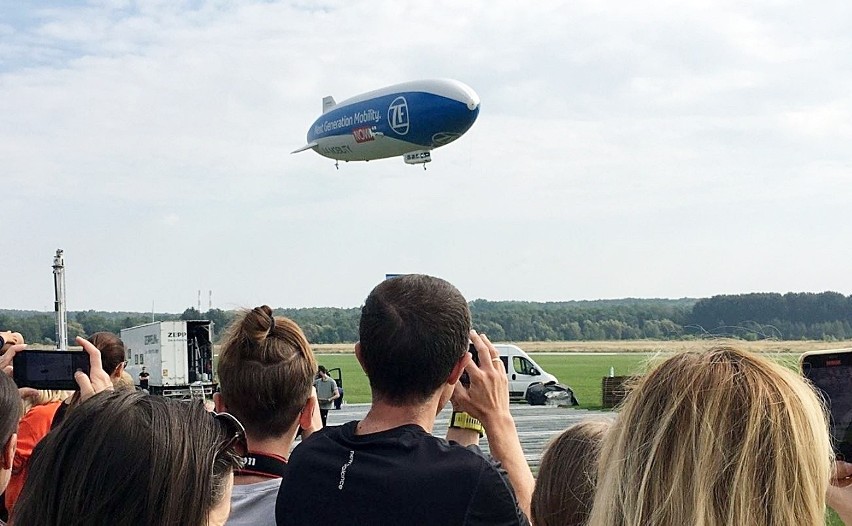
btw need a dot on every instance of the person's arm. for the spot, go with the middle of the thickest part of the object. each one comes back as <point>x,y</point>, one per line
<point>487,399</point>
<point>464,437</point>
<point>335,392</point>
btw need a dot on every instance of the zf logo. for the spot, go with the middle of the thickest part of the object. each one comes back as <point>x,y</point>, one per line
<point>151,339</point>
<point>398,115</point>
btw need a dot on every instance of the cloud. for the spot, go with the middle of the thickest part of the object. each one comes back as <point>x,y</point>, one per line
<point>661,131</point>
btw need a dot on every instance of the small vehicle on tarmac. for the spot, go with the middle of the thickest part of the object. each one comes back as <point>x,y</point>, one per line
<point>528,380</point>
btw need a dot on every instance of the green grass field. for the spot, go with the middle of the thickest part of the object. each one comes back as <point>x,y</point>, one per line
<point>582,372</point>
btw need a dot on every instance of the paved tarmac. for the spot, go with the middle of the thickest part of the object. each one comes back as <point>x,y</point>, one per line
<point>536,424</point>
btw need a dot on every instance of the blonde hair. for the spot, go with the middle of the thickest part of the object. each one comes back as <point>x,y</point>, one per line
<point>43,396</point>
<point>565,487</point>
<point>716,438</point>
<point>123,382</point>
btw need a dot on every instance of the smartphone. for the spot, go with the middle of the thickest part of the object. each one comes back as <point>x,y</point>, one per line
<point>831,374</point>
<point>49,369</point>
<point>465,378</point>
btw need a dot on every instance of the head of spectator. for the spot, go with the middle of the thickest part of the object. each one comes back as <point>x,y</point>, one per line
<point>10,414</point>
<point>113,353</point>
<point>414,330</point>
<point>716,438</point>
<point>35,397</point>
<point>126,458</point>
<point>322,372</point>
<point>565,487</point>
<point>124,382</point>
<point>266,371</point>
<point>414,340</point>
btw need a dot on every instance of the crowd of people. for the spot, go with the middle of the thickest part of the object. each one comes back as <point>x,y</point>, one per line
<point>711,438</point>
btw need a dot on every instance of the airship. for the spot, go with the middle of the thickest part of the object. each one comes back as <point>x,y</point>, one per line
<point>409,120</point>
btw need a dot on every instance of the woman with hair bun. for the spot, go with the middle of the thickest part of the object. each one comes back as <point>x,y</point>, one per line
<point>722,437</point>
<point>266,370</point>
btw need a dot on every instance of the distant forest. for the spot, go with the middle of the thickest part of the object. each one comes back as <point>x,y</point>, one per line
<point>791,316</point>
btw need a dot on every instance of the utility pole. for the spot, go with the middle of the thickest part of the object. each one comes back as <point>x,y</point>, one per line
<point>59,303</point>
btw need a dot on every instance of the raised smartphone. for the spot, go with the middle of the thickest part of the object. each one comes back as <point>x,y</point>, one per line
<point>49,369</point>
<point>831,373</point>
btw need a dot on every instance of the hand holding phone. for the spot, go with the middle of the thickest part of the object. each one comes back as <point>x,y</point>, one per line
<point>49,369</point>
<point>63,370</point>
<point>465,378</point>
<point>97,379</point>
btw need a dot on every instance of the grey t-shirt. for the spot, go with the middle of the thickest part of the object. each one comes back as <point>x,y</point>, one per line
<point>325,389</point>
<point>254,504</point>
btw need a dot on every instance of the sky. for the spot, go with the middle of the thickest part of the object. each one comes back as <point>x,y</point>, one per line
<point>623,149</point>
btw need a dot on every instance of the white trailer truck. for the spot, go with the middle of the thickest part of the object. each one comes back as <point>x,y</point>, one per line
<point>178,356</point>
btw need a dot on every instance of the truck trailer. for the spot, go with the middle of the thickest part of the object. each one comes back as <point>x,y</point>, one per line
<point>178,356</point>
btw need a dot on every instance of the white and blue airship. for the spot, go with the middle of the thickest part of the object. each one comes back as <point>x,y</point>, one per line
<point>409,119</point>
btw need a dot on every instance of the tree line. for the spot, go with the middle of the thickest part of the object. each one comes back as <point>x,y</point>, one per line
<point>791,316</point>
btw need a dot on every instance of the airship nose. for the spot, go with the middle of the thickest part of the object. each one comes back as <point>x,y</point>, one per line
<point>464,93</point>
<point>470,98</point>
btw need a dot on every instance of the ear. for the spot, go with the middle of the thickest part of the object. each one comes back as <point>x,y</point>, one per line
<point>306,417</point>
<point>458,369</point>
<point>219,404</point>
<point>358,354</point>
<point>9,451</point>
<point>118,371</point>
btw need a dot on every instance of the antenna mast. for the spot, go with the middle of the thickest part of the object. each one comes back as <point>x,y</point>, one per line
<point>59,304</point>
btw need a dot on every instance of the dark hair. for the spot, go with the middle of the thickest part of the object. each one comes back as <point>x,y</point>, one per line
<point>413,330</point>
<point>265,372</point>
<point>112,350</point>
<point>10,408</point>
<point>565,487</point>
<point>125,458</point>
<point>322,369</point>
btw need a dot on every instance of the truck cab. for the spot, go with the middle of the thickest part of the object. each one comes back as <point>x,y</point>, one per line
<point>521,370</point>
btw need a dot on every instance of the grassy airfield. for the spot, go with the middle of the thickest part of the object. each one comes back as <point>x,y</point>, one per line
<point>582,365</point>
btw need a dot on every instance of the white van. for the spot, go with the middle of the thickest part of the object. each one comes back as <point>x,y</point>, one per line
<point>521,370</point>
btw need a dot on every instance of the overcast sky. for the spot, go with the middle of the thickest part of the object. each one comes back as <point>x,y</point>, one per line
<point>623,149</point>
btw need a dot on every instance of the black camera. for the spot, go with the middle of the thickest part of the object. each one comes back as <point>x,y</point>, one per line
<point>465,379</point>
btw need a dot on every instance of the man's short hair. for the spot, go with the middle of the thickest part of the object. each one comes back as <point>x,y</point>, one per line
<point>266,372</point>
<point>413,330</point>
<point>322,369</point>
<point>10,408</point>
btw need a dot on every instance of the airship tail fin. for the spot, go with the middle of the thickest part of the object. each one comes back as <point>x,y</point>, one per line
<point>328,103</point>
<point>308,146</point>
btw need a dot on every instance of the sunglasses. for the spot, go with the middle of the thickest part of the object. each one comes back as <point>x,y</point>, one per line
<point>235,443</point>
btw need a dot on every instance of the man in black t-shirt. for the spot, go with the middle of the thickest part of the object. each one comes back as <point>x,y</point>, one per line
<point>143,378</point>
<point>389,468</point>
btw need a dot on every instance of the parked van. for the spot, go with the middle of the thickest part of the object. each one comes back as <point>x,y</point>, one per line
<point>521,370</point>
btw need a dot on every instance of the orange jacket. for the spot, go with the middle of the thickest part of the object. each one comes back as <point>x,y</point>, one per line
<point>33,427</point>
